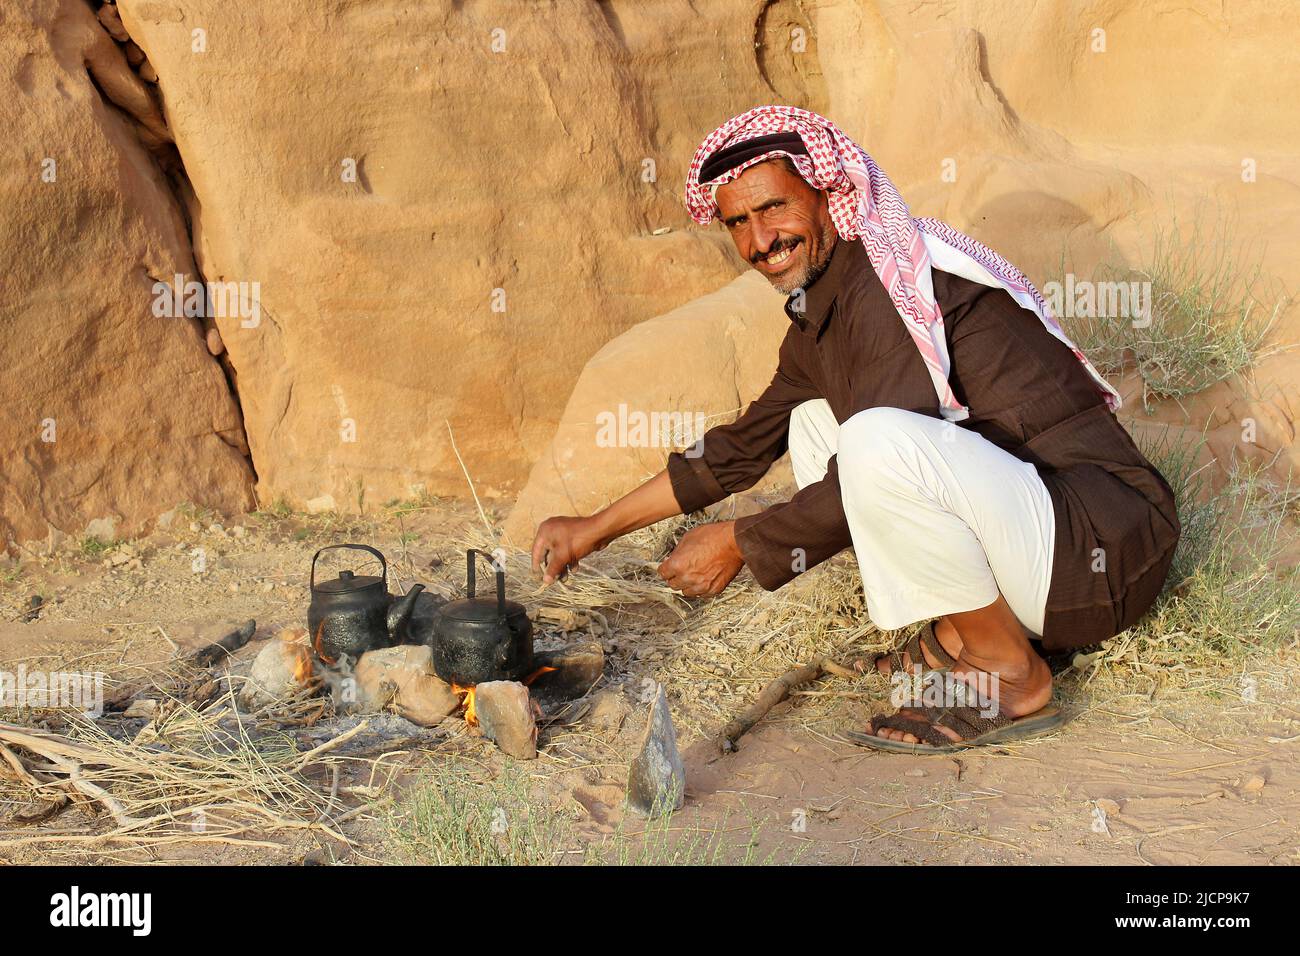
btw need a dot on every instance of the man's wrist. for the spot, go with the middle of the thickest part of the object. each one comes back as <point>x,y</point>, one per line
<point>735,545</point>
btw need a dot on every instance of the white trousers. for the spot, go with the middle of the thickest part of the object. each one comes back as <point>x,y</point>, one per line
<point>942,519</point>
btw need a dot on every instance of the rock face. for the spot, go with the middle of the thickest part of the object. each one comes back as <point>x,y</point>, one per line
<point>108,411</point>
<point>710,358</point>
<point>446,207</point>
<point>434,215</point>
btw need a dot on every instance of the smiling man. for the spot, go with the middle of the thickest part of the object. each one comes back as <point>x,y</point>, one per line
<point>938,421</point>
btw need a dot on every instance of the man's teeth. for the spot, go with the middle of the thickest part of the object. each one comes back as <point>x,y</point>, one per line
<point>780,257</point>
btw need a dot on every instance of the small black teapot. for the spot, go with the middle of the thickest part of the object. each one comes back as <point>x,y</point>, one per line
<point>352,613</point>
<point>482,639</point>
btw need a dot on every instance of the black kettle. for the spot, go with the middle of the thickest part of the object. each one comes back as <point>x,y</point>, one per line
<point>353,613</point>
<point>482,639</point>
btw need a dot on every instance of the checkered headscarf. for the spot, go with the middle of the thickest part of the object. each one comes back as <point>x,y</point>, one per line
<point>865,205</point>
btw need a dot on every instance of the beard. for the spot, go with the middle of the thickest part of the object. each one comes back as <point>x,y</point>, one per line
<point>804,274</point>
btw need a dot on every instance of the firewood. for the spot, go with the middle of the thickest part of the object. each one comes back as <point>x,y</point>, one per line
<point>775,692</point>
<point>224,648</point>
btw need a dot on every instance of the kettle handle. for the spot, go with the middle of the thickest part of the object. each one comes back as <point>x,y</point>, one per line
<point>356,547</point>
<point>470,583</point>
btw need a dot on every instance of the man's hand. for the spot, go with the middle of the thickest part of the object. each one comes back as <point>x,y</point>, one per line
<point>705,561</point>
<point>561,543</point>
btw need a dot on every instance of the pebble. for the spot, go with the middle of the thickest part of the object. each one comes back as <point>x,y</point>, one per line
<point>1253,784</point>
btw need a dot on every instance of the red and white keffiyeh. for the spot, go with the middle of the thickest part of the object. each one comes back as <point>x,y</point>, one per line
<point>865,205</point>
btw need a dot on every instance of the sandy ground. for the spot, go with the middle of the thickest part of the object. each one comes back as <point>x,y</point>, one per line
<point>1186,773</point>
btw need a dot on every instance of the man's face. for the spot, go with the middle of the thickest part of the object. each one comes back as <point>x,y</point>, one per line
<point>780,225</point>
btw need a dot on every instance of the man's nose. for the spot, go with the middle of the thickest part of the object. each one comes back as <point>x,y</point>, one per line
<point>764,237</point>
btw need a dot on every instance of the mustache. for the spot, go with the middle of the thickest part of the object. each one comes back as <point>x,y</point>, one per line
<point>779,246</point>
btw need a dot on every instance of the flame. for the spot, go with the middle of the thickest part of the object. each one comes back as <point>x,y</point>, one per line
<point>467,698</point>
<point>466,693</point>
<point>528,681</point>
<point>302,669</point>
<point>320,632</point>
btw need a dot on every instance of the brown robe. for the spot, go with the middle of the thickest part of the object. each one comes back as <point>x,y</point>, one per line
<point>1116,527</point>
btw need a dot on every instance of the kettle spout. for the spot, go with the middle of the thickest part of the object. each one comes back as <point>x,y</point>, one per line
<point>399,612</point>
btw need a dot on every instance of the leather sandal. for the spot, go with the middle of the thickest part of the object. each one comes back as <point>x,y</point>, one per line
<point>976,730</point>
<point>923,636</point>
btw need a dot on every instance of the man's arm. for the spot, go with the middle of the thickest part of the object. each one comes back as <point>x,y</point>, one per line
<point>562,542</point>
<point>729,458</point>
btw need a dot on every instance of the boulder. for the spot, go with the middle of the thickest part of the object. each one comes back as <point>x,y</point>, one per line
<point>711,358</point>
<point>402,679</point>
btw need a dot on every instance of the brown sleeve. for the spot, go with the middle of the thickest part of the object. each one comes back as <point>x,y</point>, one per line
<point>787,539</point>
<point>732,457</point>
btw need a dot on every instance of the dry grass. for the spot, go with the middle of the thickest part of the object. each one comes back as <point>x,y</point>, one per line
<point>191,776</point>
<point>714,655</point>
<point>454,814</point>
<point>1226,625</point>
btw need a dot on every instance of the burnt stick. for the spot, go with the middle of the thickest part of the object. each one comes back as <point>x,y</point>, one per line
<point>220,650</point>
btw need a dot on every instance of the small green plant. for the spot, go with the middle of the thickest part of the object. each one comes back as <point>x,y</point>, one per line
<point>1227,594</point>
<point>1205,314</point>
<point>91,547</point>
<point>449,818</point>
<point>192,512</point>
<point>280,508</point>
<point>677,840</point>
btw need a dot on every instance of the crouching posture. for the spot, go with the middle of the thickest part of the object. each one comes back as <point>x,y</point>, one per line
<point>938,421</point>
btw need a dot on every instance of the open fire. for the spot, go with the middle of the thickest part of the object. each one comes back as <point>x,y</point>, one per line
<point>466,694</point>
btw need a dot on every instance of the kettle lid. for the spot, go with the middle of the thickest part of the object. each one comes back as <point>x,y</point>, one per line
<point>347,583</point>
<point>479,610</point>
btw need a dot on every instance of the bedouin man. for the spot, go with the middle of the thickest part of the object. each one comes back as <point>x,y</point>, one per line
<point>939,422</point>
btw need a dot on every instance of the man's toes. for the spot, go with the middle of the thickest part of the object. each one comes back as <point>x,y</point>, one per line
<point>885,668</point>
